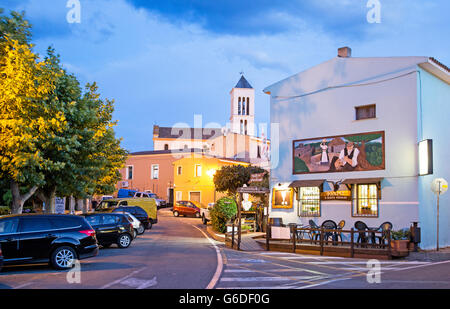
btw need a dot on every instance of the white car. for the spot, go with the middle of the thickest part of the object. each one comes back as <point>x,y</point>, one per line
<point>139,229</point>
<point>205,215</point>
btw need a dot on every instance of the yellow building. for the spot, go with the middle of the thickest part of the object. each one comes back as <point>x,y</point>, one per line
<point>194,177</point>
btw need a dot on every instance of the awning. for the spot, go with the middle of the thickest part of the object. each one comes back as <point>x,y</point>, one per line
<point>361,181</point>
<point>307,183</point>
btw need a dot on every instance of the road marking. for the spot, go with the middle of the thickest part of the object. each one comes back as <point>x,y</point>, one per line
<point>23,285</point>
<point>279,287</point>
<point>219,268</point>
<point>270,279</point>
<point>139,283</point>
<point>363,262</point>
<point>123,278</point>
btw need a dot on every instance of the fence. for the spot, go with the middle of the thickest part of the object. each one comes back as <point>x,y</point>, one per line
<point>341,242</point>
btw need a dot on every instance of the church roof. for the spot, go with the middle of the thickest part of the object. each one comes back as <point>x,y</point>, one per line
<point>243,83</point>
<point>187,133</point>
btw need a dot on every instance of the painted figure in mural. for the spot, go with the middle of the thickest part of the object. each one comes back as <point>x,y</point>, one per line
<point>324,158</point>
<point>347,160</point>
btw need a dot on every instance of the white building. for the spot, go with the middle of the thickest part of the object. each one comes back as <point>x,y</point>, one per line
<point>385,106</point>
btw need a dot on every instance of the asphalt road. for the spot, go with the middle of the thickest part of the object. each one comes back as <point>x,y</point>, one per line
<point>172,255</point>
<point>177,254</point>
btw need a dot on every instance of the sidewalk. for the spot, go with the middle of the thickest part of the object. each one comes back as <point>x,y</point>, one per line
<point>430,255</point>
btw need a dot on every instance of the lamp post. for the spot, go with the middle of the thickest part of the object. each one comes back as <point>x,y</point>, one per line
<point>438,186</point>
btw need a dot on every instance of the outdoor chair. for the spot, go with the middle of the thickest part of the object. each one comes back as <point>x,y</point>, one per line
<point>313,235</point>
<point>362,235</point>
<point>384,228</point>
<point>329,225</point>
<point>340,226</point>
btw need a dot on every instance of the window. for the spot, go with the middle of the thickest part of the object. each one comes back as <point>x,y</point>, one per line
<point>248,106</point>
<point>109,219</point>
<point>239,106</point>
<point>155,171</point>
<point>66,222</point>
<point>259,152</point>
<point>166,147</point>
<point>309,202</point>
<point>179,170</point>
<point>243,107</point>
<point>365,200</point>
<point>35,225</point>
<point>198,170</point>
<point>366,112</point>
<point>194,196</point>
<point>138,194</point>
<point>93,220</point>
<point>245,127</point>
<point>179,195</point>
<point>9,226</point>
<point>130,172</point>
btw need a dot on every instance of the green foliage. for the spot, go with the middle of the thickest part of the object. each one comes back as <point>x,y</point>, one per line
<point>15,26</point>
<point>403,234</point>
<point>223,210</point>
<point>300,166</point>
<point>5,210</point>
<point>374,153</point>
<point>230,178</point>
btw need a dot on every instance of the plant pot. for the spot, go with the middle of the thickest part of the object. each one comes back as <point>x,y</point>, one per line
<point>399,247</point>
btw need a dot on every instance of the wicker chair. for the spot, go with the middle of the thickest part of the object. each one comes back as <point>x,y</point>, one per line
<point>362,235</point>
<point>384,228</point>
<point>329,225</point>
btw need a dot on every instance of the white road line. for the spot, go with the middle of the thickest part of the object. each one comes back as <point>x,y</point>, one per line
<point>284,287</point>
<point>122,279</point>
<point>219,268</point>
<point>321,283</point>
<point>270,279</point>
<point>23,285</point>
<point>364,262</point>
<point>267,270</point>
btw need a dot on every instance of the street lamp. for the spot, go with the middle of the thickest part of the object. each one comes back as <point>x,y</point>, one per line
<point>426,157</point>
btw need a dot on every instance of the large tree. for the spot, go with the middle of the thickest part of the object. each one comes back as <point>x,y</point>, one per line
<point>25,120</point>
<point>230,178</point>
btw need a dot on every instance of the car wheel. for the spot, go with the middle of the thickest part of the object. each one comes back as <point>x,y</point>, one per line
<point>63,258</point>
<point>124,241</point>
<point>175,213</point>
<point>149,225</point>
<point>141,230</point>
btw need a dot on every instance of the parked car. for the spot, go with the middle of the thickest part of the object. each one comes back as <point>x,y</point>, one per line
<point>111,228</point>
<point>160,203</point>
<point>137,212</point>
<point>138,227</point>
<point>125,193</point>
<point>186,208</point>
<point>1,259</point>
<point>58,239</point>
<point>148,204</point>
<point>205,213</point>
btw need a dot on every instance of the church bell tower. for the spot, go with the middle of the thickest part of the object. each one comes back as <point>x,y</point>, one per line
<point>243,108</point>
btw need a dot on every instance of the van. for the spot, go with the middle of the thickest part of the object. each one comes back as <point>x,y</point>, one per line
<point>148,204</point>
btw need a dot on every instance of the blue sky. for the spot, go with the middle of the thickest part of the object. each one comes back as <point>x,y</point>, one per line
<point>164,61</point>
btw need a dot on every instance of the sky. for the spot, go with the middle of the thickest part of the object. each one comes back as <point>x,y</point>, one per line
<point>165,61</point>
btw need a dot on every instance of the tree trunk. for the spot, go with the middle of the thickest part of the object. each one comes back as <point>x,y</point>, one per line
<point>72,203</point>
<point>17,199</point>
<point>49,200</point>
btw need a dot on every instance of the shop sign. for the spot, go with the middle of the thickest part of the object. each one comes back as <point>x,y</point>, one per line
<point>282,198</point>
<point>336,196</point>
<point>60,205</point>
<point>256,177</point>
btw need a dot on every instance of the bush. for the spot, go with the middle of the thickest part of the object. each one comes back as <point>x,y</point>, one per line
<point>221,213</point>
<point>4,210</point>
<point>403,234</point>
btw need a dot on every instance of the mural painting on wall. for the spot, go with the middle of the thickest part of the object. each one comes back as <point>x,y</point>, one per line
<point>344,153</point>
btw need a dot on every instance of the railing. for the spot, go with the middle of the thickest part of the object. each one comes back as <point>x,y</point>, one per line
<point>327,238</point>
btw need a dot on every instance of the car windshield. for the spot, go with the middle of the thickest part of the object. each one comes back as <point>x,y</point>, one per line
<point>107,204</point>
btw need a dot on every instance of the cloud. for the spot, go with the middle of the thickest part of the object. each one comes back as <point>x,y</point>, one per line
<point>165,61</point>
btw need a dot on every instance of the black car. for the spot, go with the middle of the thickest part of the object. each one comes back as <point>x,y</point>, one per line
<point>138,212</point>
<point>58,239</point>
<point>1,259</point>
<point>111,228</point>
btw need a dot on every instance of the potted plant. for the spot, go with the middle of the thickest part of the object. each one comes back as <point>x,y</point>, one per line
<point>400,240</point>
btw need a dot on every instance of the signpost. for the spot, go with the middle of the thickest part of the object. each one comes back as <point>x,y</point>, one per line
<point>60,205</point>
<point>438,186</point>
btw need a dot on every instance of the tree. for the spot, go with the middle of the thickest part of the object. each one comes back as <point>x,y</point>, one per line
<point>24,120</point>
<point>15,26</point>
<point>86,148</point>
<point>230,178</point>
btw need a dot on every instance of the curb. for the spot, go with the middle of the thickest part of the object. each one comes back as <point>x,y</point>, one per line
<point>216,236</point>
